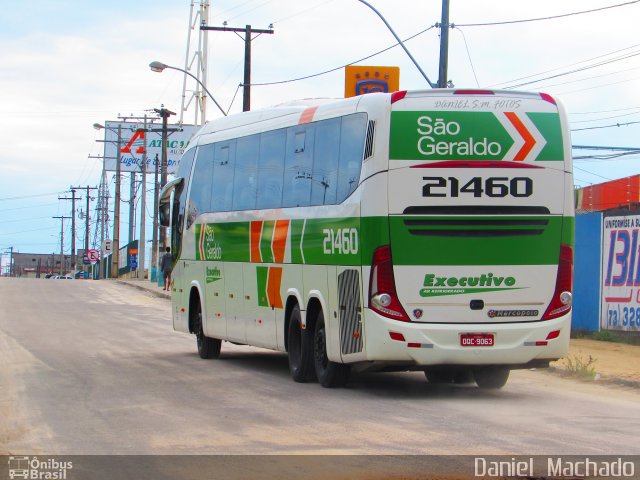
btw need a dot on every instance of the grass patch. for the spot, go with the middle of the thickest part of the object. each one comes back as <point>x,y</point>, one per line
<point>614,336</point>
<point>583,368</point>
<point>606,336</point>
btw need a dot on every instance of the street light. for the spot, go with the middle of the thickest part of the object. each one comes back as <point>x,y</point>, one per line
<point>399,41</point>
<point>115,255</point>
<point>159,67</point>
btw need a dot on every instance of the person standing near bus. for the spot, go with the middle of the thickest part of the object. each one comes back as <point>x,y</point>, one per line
<point>166,265</point>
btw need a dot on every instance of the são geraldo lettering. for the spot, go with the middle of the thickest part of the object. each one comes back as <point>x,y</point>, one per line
<point>429,144</point>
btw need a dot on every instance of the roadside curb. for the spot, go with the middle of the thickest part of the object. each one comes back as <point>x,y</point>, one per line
<point>148,287</point>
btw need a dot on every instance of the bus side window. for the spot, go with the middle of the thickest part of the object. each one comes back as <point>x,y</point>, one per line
<point>200,193</point>
<point>352,138</point>
<point>324,183</point>
<point>184,171</point>
<point>271,169</point>
<point>222,186</point>
<point>298,167</point>
<point>245,183</point>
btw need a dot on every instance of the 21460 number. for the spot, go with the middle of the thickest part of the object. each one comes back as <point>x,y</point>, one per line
<point>496,187</point>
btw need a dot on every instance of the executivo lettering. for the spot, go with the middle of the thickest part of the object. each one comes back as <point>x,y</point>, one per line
<point>435,285</point>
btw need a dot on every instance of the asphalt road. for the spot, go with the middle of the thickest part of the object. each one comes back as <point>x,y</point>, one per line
<point>94,368</point>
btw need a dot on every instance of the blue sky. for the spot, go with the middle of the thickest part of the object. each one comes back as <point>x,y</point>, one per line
<point>70,63</point>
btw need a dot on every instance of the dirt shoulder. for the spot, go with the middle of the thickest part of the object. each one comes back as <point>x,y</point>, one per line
<point>610,361</point>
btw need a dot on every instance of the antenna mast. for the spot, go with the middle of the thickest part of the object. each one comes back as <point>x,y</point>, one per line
<point>198,16</point>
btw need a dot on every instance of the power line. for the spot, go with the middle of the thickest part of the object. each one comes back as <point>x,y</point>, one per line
<point>301,12</point>
<point>24,208</point>
<point>466,46</point>
<point>252,9</point>
<point>552,17</point>
<point>605,111</point>
<point>25,231</point>
<point>31,196</point>
<point>565,66</point>
<point>587,78</point>
<point>343,66</point>
<point>606,118</point>
<point>581,69</point>
<point>604,126</point>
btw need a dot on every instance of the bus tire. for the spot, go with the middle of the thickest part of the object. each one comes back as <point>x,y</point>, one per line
<point>300,349</point>
<point>330,374</point>
<point>491,378</point>
<point>207,347</point>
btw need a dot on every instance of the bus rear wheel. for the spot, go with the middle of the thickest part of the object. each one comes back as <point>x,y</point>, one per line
<point>300,349</point>
<point>330,374</point>
<point>491,378</point>
<point>207,347</point>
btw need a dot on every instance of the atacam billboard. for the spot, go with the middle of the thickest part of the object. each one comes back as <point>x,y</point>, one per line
<point>132,145</point>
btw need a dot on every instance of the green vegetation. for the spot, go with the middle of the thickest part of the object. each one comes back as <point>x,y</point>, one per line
<point>581,367</point>
<point>631,338</point>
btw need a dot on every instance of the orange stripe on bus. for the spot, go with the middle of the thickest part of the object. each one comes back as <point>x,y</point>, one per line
<point>256,233</point>
<point>274,281</point>
<point>529,141</point>
<point>280,240</point>
<point>307,115</point>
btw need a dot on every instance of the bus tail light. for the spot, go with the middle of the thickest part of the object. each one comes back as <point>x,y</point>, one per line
<point>399,95</point>
<point>383,298</point>
<point>562,296</point>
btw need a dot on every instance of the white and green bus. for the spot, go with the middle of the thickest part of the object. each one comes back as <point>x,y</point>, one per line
<point>419,230</point>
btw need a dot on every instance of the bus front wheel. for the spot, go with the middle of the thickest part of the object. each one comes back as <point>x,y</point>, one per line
<point>207,347</point>
<point>330,374</point>
<point>300,349</point>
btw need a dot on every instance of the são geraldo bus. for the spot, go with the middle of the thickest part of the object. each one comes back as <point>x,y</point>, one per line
<point>418,230</point>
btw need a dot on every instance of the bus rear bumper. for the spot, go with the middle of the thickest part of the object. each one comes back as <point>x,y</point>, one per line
<point>424,344</point>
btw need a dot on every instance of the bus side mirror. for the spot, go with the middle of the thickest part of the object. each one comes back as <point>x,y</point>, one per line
<point>164,208</point>
<point>164,215</point>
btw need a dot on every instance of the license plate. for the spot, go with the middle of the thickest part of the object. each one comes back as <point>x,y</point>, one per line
<point>477,340</point>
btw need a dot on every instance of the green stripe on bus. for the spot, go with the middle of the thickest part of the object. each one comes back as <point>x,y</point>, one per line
<point>415,240</point>
<point>417,245</point>
<point>265,241</point>
<point>262,273</point>
<point>548,124</point>
<point>296,236</point>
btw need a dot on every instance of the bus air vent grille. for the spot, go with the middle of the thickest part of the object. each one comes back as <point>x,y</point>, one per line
<point>477,221</point>
<point>368,146</point>
<point>349,301</point>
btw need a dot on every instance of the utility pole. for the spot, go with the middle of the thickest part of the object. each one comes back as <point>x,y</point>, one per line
<point>11,261</point>
<point>143,207</point>
<point>132,206</point>
<point>164,114</point>
<point>61,242</point>
<point>73,225</point>
<point>86,228</point>
<point>154,242</point>
<point>248,31</point>
<point>115,254</point>
<point>444,45</point>
<point>103,201</point>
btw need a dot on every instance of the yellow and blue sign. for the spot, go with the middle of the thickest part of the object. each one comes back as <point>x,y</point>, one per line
<point>360,80</point>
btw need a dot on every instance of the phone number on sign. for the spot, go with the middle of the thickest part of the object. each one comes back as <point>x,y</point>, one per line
<point>626,317</point>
